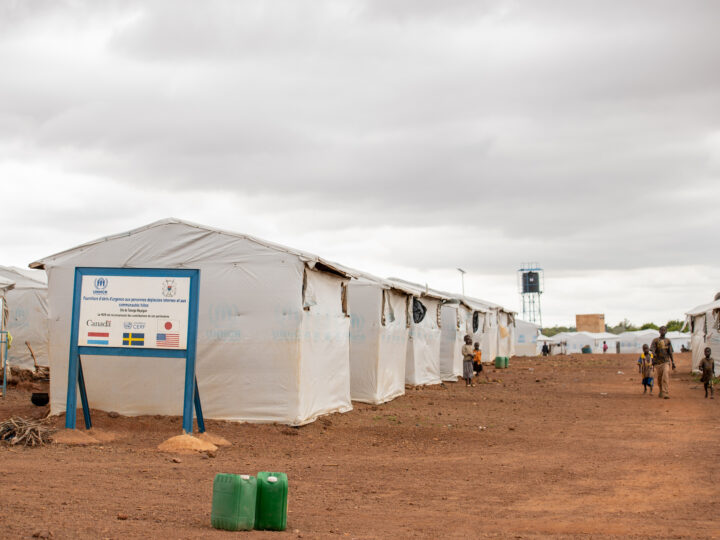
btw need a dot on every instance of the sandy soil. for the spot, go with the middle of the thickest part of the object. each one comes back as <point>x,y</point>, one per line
<point>566,446</point>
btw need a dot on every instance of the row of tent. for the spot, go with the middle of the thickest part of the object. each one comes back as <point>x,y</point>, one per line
<point>283,335</point>
<point>624,343</point>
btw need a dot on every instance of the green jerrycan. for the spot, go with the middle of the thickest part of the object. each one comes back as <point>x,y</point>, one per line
<point>506,361</point>
<point>233,502</point>
<point>271,505</point>
<point>499,363</point>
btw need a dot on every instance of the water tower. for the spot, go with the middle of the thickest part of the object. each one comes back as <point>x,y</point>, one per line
<point>531,281</point>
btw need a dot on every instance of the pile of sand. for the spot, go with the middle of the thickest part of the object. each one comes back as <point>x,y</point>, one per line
<point>101,435</point>
<point>74,437</point>
<point>217,440</point>
<point>186,444</point>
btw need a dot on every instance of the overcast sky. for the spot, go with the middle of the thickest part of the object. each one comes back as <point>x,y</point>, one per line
<point>404,138</point>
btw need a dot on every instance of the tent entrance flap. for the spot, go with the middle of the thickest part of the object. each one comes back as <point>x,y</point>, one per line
<point>128,312</point>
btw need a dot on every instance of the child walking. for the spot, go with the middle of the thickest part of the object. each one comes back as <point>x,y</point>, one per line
<point>646,369</point>
<point>477,361</point>
<point>707,366</point>
<point>467,353</point>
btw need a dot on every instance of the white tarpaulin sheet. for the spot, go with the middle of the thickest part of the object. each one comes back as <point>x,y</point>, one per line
<point>378,341</point>
<point>273,338</point>
<point>28,318</point>
<point>453,331</point>
<point>679,340</point>
<point>506,334</point>
<point>423,353</point>
<point>526,336</point>
<point>632,342</point>
<point>704,323</point>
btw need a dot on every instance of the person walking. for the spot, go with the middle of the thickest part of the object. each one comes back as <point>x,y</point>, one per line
<point>707,367</point>
<point>662,350</point>
<point>468,355</point>
<point>647,371</point>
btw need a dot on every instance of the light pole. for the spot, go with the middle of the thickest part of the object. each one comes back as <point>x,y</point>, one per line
<point>462,278</point>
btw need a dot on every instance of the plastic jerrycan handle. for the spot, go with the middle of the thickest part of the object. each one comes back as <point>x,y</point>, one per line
<point>272,479</point>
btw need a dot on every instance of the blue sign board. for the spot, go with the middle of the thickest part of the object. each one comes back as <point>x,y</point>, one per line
<point>147,312</point>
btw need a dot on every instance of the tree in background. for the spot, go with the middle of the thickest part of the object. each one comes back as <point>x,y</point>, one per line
<point>650,326</point>
<point>553,330</point>
<point>674,326</point>
<point>623,326</point>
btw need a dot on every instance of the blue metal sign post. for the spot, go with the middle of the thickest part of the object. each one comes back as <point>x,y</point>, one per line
<point>191,396</point>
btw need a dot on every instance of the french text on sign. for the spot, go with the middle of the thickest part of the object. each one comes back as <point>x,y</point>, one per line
<point>134,311</point>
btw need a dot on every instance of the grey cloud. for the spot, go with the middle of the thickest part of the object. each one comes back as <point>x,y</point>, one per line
<point>553,125</point>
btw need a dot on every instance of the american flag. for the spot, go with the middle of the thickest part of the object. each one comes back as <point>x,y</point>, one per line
<point>168,340</point>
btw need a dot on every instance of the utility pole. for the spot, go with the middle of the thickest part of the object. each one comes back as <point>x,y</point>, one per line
<point>462,278</point>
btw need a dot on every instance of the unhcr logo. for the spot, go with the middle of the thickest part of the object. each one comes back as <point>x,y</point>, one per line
<point>100,284</point>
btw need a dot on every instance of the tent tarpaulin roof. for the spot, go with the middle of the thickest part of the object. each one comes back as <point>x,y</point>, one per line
<point>418,290</point>
<point>308,258</point>
<point>704,308</point>
<point>6,284</point>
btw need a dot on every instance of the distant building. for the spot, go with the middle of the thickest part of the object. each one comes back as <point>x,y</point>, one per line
<point>590,323</point>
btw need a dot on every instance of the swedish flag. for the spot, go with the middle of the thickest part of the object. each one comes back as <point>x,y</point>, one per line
<point>133,339</point>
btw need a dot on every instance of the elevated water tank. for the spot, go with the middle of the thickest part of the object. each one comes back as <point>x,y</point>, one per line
<point>530,282</point>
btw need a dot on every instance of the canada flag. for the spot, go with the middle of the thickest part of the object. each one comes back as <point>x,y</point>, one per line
<point>167,325</point>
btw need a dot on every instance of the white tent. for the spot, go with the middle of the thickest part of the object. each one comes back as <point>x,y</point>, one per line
<point>526,338</point>
<point>28,321</point>
<point>632,341</point>
<point>273,332</point>
<point>704,323</point>
<point>557,344</point>
<point>379,330</point>
<point>679,340</point>
<point>577,340</point>
<point>6,285</point>
<point>423,352</point>
<point>458,317</point>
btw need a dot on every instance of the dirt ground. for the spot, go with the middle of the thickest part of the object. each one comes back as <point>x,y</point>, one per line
<point>566,447</point>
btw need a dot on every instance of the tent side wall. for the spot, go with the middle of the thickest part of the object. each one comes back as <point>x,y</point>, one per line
<point>393,345</point>
<point>453,318</point>
<point>526,335</point>
<point>423,353</point>
<point>377,350</point>
<point>697,340</point>
<point>324,350</point>
<point>490,336</point>
<point>505,334</point>
<point>28,322</point>
<point>365,304</point>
